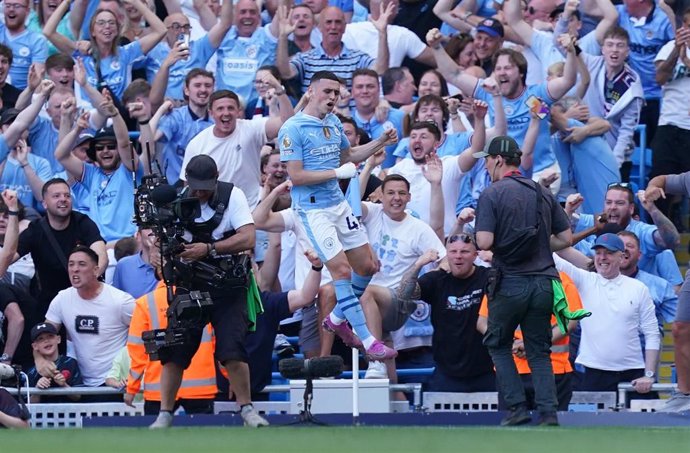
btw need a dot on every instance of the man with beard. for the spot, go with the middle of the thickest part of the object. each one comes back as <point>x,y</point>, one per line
<point>425,139</point>
<point>27,47</point>
<point>174,128</point>
<point>108,180</point>
<point>510,72</point>
<point>619,206</point>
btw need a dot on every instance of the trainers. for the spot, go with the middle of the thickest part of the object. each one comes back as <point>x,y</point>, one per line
<point>376,370</point>
<point>343,331</point>
<point>517,416</point>
<point>379,352</point>
<point>282,347</point>
<point>548,419</point>
<point>164,420</point>
<point>678,402</point>
<point>252,418</point>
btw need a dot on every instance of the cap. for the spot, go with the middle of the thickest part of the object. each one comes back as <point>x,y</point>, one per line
<point>491,27</point>
<point>501,146</point>
<point>44,327</point>
<point>202,173</point>
<point>106,133</point>
<point>8,115</point>
<point>84,137</point>
<point>610,242</point>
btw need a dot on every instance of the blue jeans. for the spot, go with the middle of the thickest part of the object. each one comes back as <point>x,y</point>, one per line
<point>528,302</point>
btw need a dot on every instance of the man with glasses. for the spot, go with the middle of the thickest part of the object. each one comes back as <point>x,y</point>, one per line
<point>619,206</point>
<point>521,223</point>
<point>170,61</point>
<point>27,47</point>
<point>108,180</point>
<point>462,361</point>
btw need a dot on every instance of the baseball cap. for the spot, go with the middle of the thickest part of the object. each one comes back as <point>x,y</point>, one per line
<point>84,137</point>
<point>500,146</point>
<point>609,241</point>
<point>44,327</point>
<point>8,115</point>
<point>202,173</point>
<point>491,27</point>
<point>105,134</point>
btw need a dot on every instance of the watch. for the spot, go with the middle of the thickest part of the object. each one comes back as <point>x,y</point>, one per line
<point>213,253</point>
<point>5,358</point>
<point>649,374</point>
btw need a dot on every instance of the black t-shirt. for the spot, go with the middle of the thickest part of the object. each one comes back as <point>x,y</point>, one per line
<point>52,273</point>
<point>27,305</point>
<point>456,344</point>
<point>10,94</point>
<point>417,16</point>
<point>260,343</point>
<point>506,208</point>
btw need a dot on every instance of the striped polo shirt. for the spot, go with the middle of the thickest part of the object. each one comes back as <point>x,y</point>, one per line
<point>309,63</point>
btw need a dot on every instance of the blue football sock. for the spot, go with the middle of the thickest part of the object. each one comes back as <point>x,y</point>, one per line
<point>359,283</point>
<point>351,308</point>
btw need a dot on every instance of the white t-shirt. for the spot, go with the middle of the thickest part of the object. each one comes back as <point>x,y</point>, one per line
<point>420,189</point>
<point>97,328</point>
<point>397,245</point>
<point>302,264</point>
<point>402,42</point>
<point>237,156</point>
<point>675,92</point>
<point>236,215</point>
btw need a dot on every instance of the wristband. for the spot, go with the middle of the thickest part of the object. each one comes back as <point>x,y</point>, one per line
<point>144,123</point>
<point>466,15</point>
<point>317,269</point>
<point>278,93</point>
<point>22,166</point>
<point>14,213</point>
<point>578,50</point>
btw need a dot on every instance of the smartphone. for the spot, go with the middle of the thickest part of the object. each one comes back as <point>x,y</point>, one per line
<point>538,107</point>
<point>184,38</point>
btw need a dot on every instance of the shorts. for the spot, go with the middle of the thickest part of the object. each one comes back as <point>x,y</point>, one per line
<point>398,313</point>
<point>230,325</point>
<point>331,230</point>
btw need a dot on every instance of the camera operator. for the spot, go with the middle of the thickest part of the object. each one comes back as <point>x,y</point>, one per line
<point>11,415</point>
<point>225,227</point>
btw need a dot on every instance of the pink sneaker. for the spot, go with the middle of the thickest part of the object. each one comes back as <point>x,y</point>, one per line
<point>379,352</point>
<point>344,332</point>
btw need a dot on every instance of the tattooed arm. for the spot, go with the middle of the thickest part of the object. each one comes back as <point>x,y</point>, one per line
<point>666,236</point>
<point>409,288</point>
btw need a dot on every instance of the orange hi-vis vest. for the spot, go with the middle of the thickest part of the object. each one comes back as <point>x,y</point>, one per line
<point>198,381</point>
<point>560,350</point>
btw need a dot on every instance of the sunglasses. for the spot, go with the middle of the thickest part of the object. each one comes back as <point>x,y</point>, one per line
<point>620,185</point>
<point>104,147</point>
<point>463,237</point>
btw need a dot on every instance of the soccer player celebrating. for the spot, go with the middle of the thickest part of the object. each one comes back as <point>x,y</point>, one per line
<point>318,153</point>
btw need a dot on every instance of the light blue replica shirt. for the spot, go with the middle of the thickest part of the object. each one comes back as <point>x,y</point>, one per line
<point>14,177</point>
<point>116,70</point>
<point>239,58</point>
<point>27,47</point>
<point>647,37</point>
<point>201,51</point>
<point>111,200</point>
<point>318,144</point>
<point>518,117</point>
<point>452,145</point>
<point>43,137</point>
<point>663,295</point>
<point>376,129</point>
<point>179,127</point>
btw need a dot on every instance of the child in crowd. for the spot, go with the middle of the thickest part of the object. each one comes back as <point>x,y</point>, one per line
<point>44,341</point>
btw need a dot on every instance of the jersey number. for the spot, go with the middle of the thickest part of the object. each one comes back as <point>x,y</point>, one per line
<point>352,223</point>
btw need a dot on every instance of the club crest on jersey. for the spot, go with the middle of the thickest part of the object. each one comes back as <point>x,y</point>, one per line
<point>326,132</point>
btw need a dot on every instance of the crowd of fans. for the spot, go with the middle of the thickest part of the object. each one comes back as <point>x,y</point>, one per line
<point>95,94</point>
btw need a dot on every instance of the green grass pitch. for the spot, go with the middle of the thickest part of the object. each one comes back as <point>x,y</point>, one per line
<point>350,439</point>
